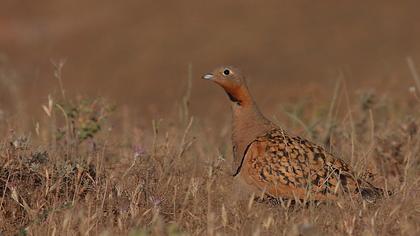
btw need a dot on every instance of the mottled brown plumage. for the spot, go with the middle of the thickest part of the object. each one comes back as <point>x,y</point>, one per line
<point>268,159</point>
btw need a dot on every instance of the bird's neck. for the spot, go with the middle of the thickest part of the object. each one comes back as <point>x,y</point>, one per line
<point>248,124</point>
<point>248,121</point>
<point>246,114</point>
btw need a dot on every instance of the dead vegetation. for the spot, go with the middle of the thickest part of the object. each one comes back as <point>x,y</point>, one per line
<point>82,173</point>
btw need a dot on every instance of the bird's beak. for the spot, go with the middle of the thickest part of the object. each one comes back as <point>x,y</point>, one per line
<point>208,76</point>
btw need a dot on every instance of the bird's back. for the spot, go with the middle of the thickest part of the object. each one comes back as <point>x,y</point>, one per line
<point>290,166</point>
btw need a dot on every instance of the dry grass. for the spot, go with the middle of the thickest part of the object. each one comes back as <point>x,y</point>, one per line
<point>89,170</point>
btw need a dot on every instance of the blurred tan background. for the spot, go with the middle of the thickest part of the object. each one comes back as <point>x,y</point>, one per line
<point>137,53</point>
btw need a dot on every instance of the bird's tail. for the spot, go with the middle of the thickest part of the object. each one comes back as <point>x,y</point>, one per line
<point>371,193</point>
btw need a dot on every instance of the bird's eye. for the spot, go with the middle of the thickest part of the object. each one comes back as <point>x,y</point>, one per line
<point>226,72</point>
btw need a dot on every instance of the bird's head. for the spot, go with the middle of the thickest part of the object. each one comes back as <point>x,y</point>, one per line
<point>232,81</point>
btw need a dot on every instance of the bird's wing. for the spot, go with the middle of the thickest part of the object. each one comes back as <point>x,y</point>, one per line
<point>285,166</point>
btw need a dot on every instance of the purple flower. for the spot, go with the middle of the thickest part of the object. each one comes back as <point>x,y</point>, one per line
<point>138,151</point>
<point>156,200</point>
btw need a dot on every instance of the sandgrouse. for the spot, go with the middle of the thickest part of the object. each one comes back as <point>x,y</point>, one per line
<point>269,160</point>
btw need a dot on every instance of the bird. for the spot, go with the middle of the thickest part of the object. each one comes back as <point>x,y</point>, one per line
<point>269,160</point>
